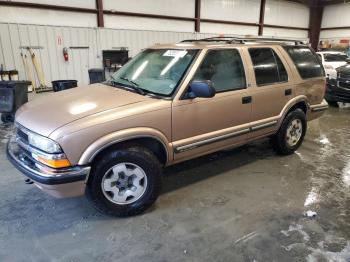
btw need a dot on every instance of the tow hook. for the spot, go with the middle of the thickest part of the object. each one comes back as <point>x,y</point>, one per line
<point>28,181</point>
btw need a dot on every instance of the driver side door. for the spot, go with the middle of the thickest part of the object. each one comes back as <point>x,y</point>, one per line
<point>204,125</point>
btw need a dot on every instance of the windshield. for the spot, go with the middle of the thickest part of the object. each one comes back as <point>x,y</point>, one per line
<point>335,57</point>
<point>157,71</point>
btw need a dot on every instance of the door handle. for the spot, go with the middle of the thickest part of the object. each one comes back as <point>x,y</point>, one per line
<point>287,92</point>
<point>246,100</point>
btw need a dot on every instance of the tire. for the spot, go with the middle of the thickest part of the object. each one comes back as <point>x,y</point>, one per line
<point>333,103</point>
<point>121,164</point>
<point>284,144</point>
<point>7,118</point>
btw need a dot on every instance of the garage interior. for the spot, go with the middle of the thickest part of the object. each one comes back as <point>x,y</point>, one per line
<point>244,204</point>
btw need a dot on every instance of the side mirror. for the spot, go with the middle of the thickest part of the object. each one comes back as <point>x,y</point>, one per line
<point>203,89</point>
<point>348,60</point>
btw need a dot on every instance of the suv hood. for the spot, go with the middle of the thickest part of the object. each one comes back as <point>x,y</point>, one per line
<point>45,114</point>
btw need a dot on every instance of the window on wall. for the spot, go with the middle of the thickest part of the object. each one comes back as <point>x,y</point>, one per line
<point>268,67</point>
<point>306,61</point>
<point>224,68</point>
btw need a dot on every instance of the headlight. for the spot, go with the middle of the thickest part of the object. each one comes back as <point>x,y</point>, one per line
<point>329,67</point>
<point>43,143</point>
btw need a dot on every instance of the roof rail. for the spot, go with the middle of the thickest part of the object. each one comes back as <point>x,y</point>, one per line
<point>240,40</point>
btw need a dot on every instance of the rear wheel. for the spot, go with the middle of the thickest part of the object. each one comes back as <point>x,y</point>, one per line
<point>125,182</point>
<point>291,133</point>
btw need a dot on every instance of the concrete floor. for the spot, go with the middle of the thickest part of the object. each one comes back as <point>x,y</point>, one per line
<point>243,205</point>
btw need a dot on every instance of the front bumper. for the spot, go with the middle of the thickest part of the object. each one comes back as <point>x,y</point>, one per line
<point>338,90</point>
<point>40,174</point>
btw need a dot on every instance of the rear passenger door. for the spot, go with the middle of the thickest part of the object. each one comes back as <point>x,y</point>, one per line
<point>270,91</point>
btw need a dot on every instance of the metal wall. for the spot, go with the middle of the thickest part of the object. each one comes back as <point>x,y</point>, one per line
<point>336,16</point>
<point>53,39</point>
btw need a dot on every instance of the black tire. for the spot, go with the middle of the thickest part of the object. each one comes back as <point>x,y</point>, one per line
<point>7,118</point>
<point>333,103</point>
<point>137,155</point>
<point>279,140</point>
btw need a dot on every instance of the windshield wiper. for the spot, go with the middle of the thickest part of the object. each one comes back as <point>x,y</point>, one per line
<point>135,85</point>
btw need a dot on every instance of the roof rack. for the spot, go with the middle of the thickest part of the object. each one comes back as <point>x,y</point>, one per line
<point>239,40</point>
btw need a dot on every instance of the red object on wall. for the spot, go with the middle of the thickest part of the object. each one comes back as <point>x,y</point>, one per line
<point>344,41</point>
<point>65,54</point>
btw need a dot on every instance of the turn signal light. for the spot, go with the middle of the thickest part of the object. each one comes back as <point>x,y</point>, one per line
<point>54,163</point>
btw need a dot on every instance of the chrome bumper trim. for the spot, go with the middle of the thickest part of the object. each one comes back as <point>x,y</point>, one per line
<point>40,173</point>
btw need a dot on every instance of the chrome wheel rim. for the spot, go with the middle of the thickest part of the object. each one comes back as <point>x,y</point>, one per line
<point>294,132</point>
<point>124,183</point>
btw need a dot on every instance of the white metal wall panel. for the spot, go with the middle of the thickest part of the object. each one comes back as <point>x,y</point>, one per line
<point>336,15</point>
<point>286,13</point>
<point>228,29</point>
<point>72,3</point>
<point>183,8</point>
<point>53,39</point>
<point>141,23</point>
<point>335,34</point>
<point>288,33</point>
<point>46,17</point>
<point>232,10</point>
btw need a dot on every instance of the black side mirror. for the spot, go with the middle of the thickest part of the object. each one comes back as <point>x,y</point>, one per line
<point>203,89</point>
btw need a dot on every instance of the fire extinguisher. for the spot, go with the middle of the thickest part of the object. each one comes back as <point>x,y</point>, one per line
<point>65,54</point>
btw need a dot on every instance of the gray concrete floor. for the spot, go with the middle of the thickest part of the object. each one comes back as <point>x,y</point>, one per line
<point>246,204</point>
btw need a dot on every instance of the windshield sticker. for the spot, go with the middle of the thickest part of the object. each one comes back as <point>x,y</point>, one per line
<point>175,53</point>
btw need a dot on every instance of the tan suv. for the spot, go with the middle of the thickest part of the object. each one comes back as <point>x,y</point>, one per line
<point>167,105</point>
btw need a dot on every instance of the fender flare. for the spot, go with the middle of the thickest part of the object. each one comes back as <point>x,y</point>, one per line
<point>290,104</point>
<point>121,136</point>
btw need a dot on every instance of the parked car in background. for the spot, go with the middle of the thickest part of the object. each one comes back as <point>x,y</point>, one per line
<point>169,104</point>
<point>331,60</point>
<point>338,90</point>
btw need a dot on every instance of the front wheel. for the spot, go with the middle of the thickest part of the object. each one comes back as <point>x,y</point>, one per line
<point>333,103</point>
<point>125,182</point>
<point>291,133</point>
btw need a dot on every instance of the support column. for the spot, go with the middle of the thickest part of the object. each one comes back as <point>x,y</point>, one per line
<point>316,12</point>
<point>262,17</point>
<point>197,15</point>
<point>99,7</point>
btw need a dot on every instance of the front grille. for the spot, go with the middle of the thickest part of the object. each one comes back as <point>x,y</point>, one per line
<point>344,85</point>
<point>22,135</point>
<point>344,75</point>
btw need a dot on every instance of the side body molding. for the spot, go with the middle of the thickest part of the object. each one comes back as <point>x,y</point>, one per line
<point>125,135</point>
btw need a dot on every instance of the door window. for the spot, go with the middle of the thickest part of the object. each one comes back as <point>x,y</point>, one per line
<point>224,68</point>
<point>268,67</point>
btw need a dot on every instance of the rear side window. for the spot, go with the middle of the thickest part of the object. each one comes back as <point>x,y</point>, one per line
<point>306,61</point>
<point>268,67</point>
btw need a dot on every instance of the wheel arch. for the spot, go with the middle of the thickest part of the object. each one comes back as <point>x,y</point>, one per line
<point>152,139</point>
<point>297,102</point>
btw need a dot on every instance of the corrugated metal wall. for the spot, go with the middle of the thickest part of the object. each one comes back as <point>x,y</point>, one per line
<point>52,39</point>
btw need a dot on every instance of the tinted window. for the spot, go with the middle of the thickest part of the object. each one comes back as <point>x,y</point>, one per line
<point>335,57</point>
<point>224,68</point>
<point>268,66</point>
<point>305,60</point>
